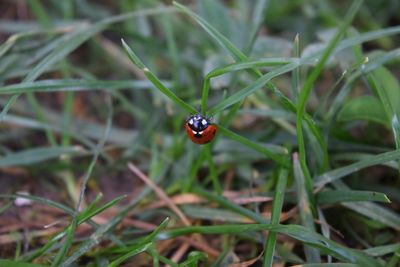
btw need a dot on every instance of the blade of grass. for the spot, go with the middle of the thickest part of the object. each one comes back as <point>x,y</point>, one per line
<point>222,40</point>
<point>257,17</point>
<point>338,196</point>
<point>305,208</point>
<point>83,217</point>
<point>338,173</point>
<point>382,250</point>
<point>281,159</point>
<point>297,232</point>
<point>142,246</point>
<point>70,233</point>
<point>194,259</point>
<point>249,64</point>
<point>248,90</point>
<point>375,212</point>
<point>40,200</point>
<point>306,90</point>
<point>212,169</point>
<point>70,41</point>
<point>157,83</point>
<point>66,85</point>
<point>11,263</point>
<point>327,265</point>
<point>296,72</point>
<point>269,247</point>
<point>229,205</point>
<point>387,89</point>
<point>36,155</point>
<point>105,229</point>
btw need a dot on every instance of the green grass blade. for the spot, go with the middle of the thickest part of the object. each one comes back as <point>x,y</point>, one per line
<point>41,200</point>
<point>229,205</point>
<point>387,89</point>
<point>70,232</point>
<point>83,217</point>
<point>336,174</point>
<point>142,246</point>
<point>297,232</point>
<point>376,213</point>
<point>296,72</point>
<point>37,155</point>
<point>222,40</point>
<point>327,265</point>
<point>194,259</point>
<point>306,90</point>
<point>281,159</point>
<point>258,17</point>
<point>138,249</point>
<point>249,64</point>
<point>157,83</point>
<point>269,247</point>
<point>11,263</point>
<point>71,85</point>
<point>305,208</point>
<point>248,90</point>
<point>382,250</point>
<point>363,108</point>
<point>338,196</point>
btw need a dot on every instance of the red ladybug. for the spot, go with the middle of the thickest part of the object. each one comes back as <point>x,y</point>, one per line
<point>200,129</point>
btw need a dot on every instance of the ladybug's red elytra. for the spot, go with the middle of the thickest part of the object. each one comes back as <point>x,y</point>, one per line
<point>200,129</point>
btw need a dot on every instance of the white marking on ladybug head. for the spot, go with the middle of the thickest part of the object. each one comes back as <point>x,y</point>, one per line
<point>191,121</point>
<point>204,122</point>
<point>194,132</point>
<point>200,132</point>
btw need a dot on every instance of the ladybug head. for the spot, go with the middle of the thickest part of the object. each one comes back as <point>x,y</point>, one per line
<point>198,122</point>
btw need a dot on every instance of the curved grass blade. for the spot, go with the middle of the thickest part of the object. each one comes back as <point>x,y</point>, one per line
<point>305,208</point>
<point>41,200</point>
<point>71,230</point>
<point>222,40</point>
<point>157,83</point>
<point>137,250</point>
<point>269,247</point>
<point>297,232</point>
<point>338,196</point>
<point>194,259</point>
<point>11,263</point>
<point>387,89</point>
<point>65,44</point>
<point>336,174</point>
<point>230,205</point>
<point>71,85</point>
<point>259,12</point>
<point>376,212</point>
<point>382,250</point>
<point>279,158</point>
<point>248,90</point>
<point>305,93</point>
<point>143,245</point>
<point>249,64</point>
<point>36,155</point>
<point>327,265</point>
<point>83,217</point>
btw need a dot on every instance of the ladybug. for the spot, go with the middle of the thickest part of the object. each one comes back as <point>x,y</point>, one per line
<point>200,129</point>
